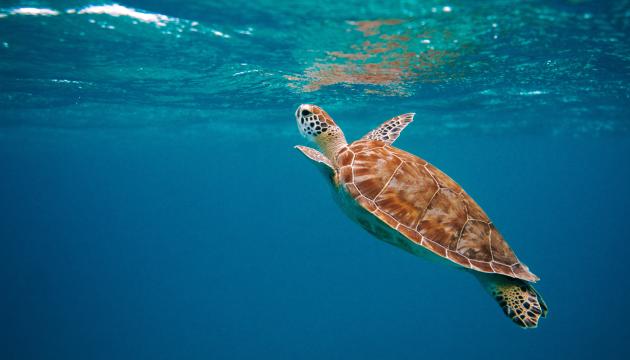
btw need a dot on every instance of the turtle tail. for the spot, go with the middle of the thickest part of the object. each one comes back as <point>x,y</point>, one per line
<point>518,299</point>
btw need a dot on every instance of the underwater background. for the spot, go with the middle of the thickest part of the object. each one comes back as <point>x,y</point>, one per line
<point>152,205</point>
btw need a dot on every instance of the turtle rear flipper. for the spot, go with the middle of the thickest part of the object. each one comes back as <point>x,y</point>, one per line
<point>518,299</point>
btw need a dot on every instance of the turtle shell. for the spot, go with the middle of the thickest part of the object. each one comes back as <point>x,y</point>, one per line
<point>426,206</point>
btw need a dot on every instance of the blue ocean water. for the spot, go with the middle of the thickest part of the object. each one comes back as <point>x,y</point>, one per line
<point>152,205</point>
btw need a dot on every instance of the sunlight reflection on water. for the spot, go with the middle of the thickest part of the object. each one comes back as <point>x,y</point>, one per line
<point>545,65</point>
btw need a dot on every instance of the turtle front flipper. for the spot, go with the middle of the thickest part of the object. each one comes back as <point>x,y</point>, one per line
<point>320,159</point>
<point>389,131</point>
<point>518,298</point>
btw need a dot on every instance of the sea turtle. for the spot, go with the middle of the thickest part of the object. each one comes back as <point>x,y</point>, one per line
<point>407,202</point>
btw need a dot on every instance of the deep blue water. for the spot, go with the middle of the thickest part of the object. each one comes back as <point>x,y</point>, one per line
<point>152,205</point>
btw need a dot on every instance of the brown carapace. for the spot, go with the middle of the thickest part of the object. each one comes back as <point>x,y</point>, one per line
<point>424,204</point>
<point>419,205</point>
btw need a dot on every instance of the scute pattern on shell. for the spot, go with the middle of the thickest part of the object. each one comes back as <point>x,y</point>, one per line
<point>426,206</point>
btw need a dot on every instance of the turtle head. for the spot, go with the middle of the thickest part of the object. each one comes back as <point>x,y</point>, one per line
<point>316,125</point>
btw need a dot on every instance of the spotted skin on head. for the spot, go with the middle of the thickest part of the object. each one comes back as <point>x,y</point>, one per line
<point>389,131</point>
<point>317,126</point>
<point>312,125</point>
<point>313,121</point>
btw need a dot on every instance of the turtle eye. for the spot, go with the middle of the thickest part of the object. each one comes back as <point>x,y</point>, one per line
<point>305,113</point>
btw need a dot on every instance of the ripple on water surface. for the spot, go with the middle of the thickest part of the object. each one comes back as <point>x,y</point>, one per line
<point>490,66</point>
